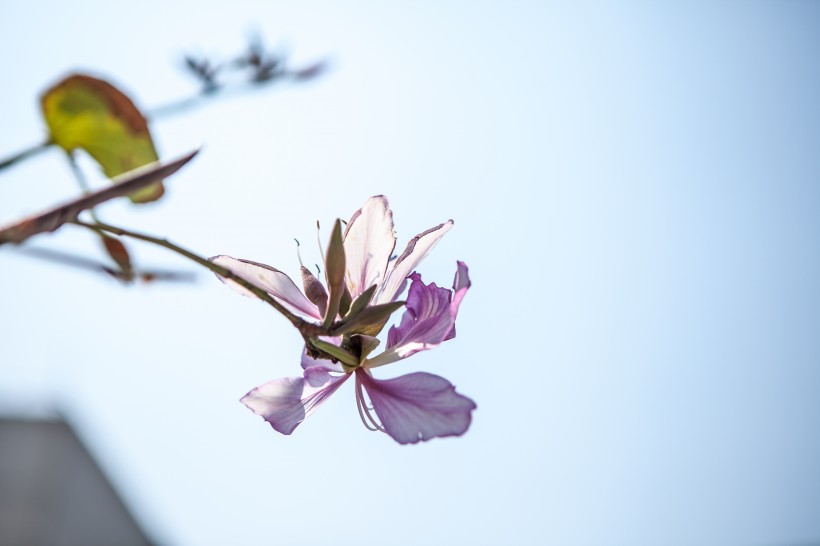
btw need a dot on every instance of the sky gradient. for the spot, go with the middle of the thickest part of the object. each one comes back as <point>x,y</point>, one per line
<point>634,189</point>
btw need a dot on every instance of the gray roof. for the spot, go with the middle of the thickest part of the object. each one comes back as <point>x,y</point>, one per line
<point>53,493</point>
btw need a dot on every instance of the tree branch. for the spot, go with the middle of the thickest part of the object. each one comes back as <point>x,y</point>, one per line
<point>307,329</point>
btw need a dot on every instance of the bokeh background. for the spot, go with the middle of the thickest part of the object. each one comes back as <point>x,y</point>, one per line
<point>635,190</point>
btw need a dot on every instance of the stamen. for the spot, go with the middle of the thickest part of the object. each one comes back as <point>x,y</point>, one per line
<point>319,242</point>
<point>361,413</point>
<point>364,410</point>
<point>298,254</point>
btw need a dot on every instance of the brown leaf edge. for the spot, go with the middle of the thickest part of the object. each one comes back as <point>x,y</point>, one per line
<point>124,184</point>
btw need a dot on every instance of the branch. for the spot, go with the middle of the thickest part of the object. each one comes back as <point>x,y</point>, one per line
<point>125,184</point>
<point>25,154</point>
<point>306,328</point>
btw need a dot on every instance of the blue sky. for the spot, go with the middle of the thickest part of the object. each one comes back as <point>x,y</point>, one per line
<point>634,188</point>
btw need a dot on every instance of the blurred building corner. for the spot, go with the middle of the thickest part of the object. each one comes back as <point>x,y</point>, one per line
<point>52,492</point>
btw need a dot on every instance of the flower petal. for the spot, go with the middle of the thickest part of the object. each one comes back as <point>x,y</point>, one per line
<point>368,244</point>
<point>286,402</point>
<point>417,406</point>
<point>461,284</point>
<point>429,320</point>
<point>272,281</point>
<point>417,249</point>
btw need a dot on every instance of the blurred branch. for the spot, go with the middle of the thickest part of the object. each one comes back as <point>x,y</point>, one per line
<point>82,181</point>
<point>78,173</point>
<point>209,93</point>
<point>25,154</point>
<point>252,68</point>
<point>81,262</point>
<point>258,66</point>
<point>55,217</point>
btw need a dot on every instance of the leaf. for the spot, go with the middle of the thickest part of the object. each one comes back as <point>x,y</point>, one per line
<point>117,251</point>
<point>94,116</point>
<point>361,301</point>
<point>370,321</point>
<point>53,218</point>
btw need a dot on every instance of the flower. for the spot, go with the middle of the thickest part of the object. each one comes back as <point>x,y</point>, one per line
<point>341,322</point>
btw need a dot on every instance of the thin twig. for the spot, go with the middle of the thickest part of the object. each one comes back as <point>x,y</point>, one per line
<point>55,217</point>
<point>81,262</point>
<point>25,154</point>
<point>81,180</point>
<point>305,327</point>
<point>207,94</point>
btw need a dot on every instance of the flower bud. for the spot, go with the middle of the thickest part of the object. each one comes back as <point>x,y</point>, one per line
<point>314,290</point>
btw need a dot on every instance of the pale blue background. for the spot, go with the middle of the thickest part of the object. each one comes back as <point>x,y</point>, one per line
<point>635,189</point>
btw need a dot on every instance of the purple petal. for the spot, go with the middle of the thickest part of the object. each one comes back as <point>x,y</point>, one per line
<point>368,243</point>
<point>418,247</point>
<point>461,284</point>
<point>272,281</point>
<point>286,402</point>
<point>429,319</point>
<point>417,406</point>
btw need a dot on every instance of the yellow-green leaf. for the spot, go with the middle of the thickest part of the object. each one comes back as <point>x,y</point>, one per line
<point>94,116</point>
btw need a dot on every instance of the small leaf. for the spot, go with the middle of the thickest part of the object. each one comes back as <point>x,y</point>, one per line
<point>94,116</point>
<point>311,71</point>
<point>52,219</point>
<point>117,251</point>
<point>344,303</point>
<point>361,301</point>
<point>370,321</point>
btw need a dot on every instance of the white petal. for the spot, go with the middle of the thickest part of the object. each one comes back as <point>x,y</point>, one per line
<point>272,281</point>
<point>368,243</point>
<point>417,249</point>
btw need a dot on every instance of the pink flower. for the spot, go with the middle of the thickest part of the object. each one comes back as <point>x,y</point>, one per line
<point>344,320</point>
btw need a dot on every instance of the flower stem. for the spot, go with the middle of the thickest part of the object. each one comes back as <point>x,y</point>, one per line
<point>82,181</point>
<point>303,326</point>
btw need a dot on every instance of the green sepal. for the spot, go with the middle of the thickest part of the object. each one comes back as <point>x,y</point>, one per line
<point>361,301</point>
<point>342,355</point>
<point>363,345</point>
<point>370,321</point>
<point>335,272</point>
<point>344,303</point>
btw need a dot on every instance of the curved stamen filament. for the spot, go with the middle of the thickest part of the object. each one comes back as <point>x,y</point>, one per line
<point>319,240</point>
<point>364,410</point>
<point>298,254</point>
